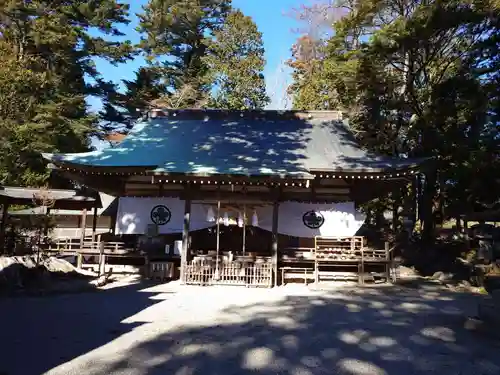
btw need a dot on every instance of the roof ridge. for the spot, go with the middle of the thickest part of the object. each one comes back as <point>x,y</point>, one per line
<point>270,114</point>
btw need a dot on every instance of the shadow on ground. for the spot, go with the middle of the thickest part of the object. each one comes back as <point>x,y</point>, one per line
<point>296,331</point>
<point>39,333</point>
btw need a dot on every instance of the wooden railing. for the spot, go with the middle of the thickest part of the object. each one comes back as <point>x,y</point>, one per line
<point>337,258</point>
<point>71,246</point>
<point>335,249</point>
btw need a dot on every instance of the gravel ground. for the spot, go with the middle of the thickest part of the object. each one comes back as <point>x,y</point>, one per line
<point>170,329</point>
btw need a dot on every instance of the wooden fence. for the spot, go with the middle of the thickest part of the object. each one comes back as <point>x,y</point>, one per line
<point>71,246</point>
<point>230,273</point>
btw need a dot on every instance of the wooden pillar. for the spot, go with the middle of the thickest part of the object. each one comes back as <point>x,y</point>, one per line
<point>46,224</point>
<point>274,245</point>
<point>3,227</point>
<point>429,191</point>
<point>83,225</point>
<point>102,260</point>
<point>112,225</point>
<point>388,262</point>
<point>396,197</point>
<point>185,237</point>
<point>416,198</point>
<point>94,224</point>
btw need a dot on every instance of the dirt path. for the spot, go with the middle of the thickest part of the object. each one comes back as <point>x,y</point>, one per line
<point>169,329</point>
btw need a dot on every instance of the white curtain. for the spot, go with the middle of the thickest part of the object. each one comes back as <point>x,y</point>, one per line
<point>134,215</point>
<point>295,219</point>
<point>310,219</point>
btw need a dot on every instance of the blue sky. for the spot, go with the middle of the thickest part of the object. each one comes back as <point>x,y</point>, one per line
<point>270,17</point>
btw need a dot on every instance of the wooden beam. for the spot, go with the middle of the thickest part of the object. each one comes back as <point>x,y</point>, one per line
<point>337,182</point>
<point>223,195</point>
<point>113,185</point>
<point>112,223</point>
<point>161,189</point>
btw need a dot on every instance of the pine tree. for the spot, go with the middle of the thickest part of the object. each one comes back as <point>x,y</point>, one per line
<point>122,110</point>
<point>418,80</point>
<point>175,40</point>
<point>47,53</point>
<point>235,58</point>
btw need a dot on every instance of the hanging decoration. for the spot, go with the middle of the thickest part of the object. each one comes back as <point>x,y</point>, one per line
<point>255,219</point>
<point>210,215</point>
<point>226,219</point>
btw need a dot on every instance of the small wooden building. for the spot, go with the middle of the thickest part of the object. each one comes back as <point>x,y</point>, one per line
<point>239,194</point>
<point>56,199</point>
<point>67,224</point>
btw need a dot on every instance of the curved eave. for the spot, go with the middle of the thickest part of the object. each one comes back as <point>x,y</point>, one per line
<point>380,167</point>
<point>59,163</point>
<point>154,172</point>
<point>390,170</point>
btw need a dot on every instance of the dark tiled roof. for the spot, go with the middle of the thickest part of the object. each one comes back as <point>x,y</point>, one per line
<point>239,143</point>
<point>73,199</point>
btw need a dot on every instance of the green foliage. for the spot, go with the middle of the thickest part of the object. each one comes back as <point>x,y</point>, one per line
<point>415,79</point>
<point>175,34</point>
<point>200,53</point>
<point>121,110</point>
<point>46,52</point>
<point>235,58</point>
<point>34,117</point>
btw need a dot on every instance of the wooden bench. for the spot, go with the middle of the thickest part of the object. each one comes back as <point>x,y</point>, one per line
<point>296,272</point>
<point>375,257</point>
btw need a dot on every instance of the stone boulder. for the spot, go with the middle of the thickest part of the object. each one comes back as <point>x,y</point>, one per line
<point>442,276</point>
<point>407,272</point>
<point>53,264</point>
<point>26,273</point>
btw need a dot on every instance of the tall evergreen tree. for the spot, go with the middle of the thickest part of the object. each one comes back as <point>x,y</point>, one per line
<point>235,58</point>
<point>174,40</point>
<point>34,117</point>
<point>49,52</point>
<point>121,110</point>
<point>419,80</point>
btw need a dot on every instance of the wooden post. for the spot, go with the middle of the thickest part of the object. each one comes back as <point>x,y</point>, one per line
<point>112,224</point>
<point>147,266</point>
<point>274,245</point>
<point>46,224</point>
<point>3,227</point>
<point>388,262</point>
<point>102,259</point>
<point>185,237</point>
<point>83,224</point>
<point>94,224</point>
<point>361,266</point>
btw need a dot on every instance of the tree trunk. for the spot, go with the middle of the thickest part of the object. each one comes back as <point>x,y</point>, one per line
<point>429,192</point>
